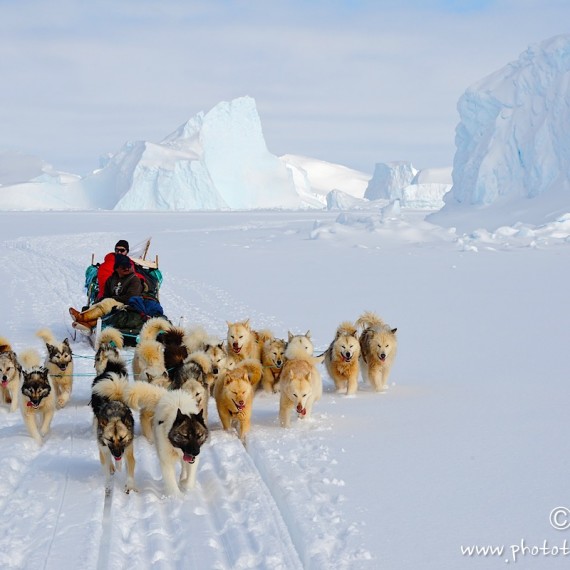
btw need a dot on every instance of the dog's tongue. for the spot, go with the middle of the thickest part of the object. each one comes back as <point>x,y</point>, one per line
<point>301,410</point>
<point>188,458</point>
<point>4,383</point>
<point>32,405</point>
<point>236,348</point>
<point>118,458</point>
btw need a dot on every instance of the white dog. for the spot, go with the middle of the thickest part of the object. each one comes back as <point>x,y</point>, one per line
<point>378,344</point>
<point>301,384</point>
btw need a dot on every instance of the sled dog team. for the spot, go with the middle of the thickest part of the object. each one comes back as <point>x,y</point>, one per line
<point>176,371</point>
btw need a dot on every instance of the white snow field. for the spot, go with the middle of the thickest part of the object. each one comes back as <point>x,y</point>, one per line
<point>468,447</point>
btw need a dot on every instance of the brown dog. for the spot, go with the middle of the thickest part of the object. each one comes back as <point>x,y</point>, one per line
<point>233,392</point>
<point>341,358</point>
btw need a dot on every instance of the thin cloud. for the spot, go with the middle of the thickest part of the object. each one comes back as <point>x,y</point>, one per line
<point>329,78</point>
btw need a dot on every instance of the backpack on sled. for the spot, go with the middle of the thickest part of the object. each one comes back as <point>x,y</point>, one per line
<point>130,318</point>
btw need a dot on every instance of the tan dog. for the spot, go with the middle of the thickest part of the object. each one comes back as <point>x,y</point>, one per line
<point>272,360</point>
<point>148,363</point>
<point>341,358</point>
<point>10,374</point>
<point>233,392</point>
<point>378,345</point>
<point>59,362</point>
<point>148,366</point>
<point>38,395</point>
<point>242,341</point>
<point>301,385</point>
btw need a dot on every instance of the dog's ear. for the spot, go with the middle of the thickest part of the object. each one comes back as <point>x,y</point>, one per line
<point>221,345</point>
<point>290,335</point>
<point>308,334</point>
<point>246,324</point>
<point>51,349</point>
<point>66,341</point>
<point>229,324</point>
<point>394,331</point>
<point>200,416</point>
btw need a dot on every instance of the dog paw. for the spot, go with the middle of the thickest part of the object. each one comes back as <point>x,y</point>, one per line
<point>129,488</point>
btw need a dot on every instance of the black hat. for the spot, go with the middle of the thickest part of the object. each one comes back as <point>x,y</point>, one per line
<point>121,261</point>
<point>122,243</point>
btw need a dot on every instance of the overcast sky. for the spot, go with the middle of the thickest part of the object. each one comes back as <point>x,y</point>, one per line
<point>350,82</point>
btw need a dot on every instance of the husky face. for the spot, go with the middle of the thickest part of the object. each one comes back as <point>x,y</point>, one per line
<point>239,335</point>
<point>299,343</point>
<point>188,433</point>
<point>217,355</point>
<point>346,348</point>
<point>383,345</point>
<point>378,344</point>
<point>296,384</point>
<point>60,356</point>
<point>274,353</point>
<point>36,386</point>
<point>115,425</point>
<point>9,368</point>
<point>238,389</point>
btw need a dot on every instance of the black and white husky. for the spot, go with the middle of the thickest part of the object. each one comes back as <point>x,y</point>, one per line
<point>37,403</point>
<point>59,362</point>
<point>178,427</point>
<point>114,421</point>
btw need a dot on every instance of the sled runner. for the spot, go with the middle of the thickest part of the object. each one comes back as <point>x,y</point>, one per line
<point>130,318</point>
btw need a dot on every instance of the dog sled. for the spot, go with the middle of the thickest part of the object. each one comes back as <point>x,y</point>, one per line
<point>129,318</point>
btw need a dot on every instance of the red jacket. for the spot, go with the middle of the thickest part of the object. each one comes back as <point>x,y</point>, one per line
<point>105,271</point>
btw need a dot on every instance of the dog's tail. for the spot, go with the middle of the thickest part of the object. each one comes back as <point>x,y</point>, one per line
<point>151,352</point>
<point>114,387</point>
<point>143,395</point>
<point>30,358</point>
<point>136,395</point>
<point>253,369</point>
<point>369,319</point>
<point>346,328</point>
<point>151,329</point>
<point>5,345</point>
<point>202,360</point>
<point>110,335</point>
<point>47,336</point>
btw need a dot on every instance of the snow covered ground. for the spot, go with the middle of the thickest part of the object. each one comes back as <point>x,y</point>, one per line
<point>468,448</point>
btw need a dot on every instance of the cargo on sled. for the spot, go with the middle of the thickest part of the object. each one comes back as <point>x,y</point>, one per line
<point>100,312</point>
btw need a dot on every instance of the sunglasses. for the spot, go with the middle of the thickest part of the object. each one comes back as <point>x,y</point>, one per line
<point>120,250</point>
